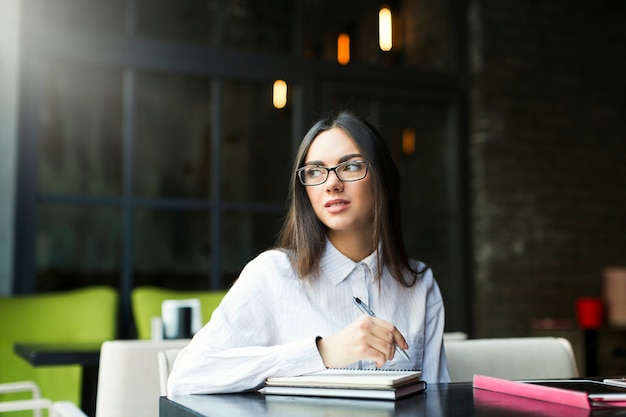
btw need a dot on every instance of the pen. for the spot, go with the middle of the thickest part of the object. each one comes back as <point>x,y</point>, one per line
<point>365,309</point>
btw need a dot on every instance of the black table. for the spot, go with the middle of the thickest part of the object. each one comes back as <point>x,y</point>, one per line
<point>87,355</point>
<point>439,400</point>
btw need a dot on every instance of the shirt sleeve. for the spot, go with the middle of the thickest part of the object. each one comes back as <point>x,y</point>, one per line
<point>238,348</point>
<point>435,363</point>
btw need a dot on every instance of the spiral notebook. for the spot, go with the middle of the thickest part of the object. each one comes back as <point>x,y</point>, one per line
<point>349,383</point>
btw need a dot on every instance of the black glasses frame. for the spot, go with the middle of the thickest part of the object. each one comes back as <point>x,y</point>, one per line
<point>300,171</point>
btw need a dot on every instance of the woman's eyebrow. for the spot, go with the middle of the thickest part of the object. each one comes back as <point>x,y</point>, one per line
<point>342,159</point>
<point>348,157</point>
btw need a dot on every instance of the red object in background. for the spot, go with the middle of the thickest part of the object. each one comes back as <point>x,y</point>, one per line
<point>590,312</point>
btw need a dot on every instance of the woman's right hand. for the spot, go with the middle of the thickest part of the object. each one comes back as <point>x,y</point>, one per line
<point>367,337</point>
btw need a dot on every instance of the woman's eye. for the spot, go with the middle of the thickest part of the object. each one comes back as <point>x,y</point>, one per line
<point>353,166</point>
<point>313,172</point>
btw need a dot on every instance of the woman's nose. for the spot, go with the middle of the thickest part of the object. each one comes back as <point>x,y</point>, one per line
<point>333,182</point>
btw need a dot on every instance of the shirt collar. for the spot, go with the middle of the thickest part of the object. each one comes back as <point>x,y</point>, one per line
<point>338,267</point>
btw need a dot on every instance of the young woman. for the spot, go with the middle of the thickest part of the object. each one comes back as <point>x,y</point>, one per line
<point>291,311</point>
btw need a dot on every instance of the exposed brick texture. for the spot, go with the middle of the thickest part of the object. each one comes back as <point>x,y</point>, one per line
<point>548,156</point>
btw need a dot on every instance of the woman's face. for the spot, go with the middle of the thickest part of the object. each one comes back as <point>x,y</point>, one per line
<point>343,207</point>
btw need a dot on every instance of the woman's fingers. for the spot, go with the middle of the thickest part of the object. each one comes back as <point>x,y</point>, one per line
<point>366,338</point>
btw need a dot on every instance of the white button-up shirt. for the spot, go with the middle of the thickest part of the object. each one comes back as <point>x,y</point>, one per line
<point>268,322</point>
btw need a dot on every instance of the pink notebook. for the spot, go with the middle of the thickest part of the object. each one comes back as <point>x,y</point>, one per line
<point>500,404</point>
<point>569,397</point>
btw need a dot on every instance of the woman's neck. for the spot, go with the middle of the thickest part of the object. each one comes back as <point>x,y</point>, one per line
<point>355,246</point>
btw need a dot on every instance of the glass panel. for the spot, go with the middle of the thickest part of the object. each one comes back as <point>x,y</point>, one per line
<point>257,146</point>
<point>427,38</point>
<point>258,25</point>
<point>80,129</point>
<point>88,16</point>
<point>173,136</point>
<point>237,24</point>
<point>77,246</point>
<point>322,22</point>
<point>422,32</point>
<point>245,236</point>
<point>182,20</point>
<point>422,29</point>
<point>172,248</point>
<point>426,170</point>
<point>431,239</point>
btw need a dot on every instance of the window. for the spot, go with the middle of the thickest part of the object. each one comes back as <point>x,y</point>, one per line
<point>144,124</point>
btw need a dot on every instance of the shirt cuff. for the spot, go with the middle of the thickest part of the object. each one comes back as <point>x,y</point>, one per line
<point>302,357</point>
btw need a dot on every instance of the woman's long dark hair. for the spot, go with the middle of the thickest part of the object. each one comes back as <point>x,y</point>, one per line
<point>304,235</point>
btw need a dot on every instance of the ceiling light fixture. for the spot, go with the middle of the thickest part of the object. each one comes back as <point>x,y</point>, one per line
<point>384,29</point>
<point>279,94</point>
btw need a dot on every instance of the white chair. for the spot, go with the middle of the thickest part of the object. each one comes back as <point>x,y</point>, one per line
<point>166,361</point>
<point>128,380</point>
<point>22,405</point>
<point>67,409</point>
<point>55,409</point>
<point>511,358</point>
<point>21,386</point>
<point>454,336</point>
<point>129,384</point>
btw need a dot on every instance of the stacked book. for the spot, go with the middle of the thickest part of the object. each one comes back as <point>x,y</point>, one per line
<point>349,383</point>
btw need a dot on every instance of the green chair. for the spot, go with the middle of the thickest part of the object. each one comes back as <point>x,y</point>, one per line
<point>83,315</point>
<point>147,301</point>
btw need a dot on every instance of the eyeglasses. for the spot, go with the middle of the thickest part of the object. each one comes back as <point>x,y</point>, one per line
<point>346,171</point>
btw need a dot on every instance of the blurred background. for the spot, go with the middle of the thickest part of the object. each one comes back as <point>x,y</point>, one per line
<point>148,142</point>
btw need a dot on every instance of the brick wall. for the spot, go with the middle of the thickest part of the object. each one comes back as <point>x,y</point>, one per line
<point>548,156</point>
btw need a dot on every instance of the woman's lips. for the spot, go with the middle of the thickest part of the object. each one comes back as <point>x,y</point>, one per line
<point>337,205</point>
